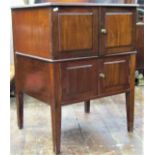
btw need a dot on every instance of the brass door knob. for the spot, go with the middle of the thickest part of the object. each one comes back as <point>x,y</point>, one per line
<point>103,31</point>
<point>102,75</point>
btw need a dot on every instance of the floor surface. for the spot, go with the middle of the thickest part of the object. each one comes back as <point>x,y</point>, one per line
<point>102,132</point>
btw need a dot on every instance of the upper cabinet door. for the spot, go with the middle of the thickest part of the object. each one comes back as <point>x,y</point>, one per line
<point>75,32</point>
<point>117,30</point>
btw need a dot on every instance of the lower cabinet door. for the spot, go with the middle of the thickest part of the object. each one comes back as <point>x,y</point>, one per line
<point>79,80</point>
<point>114,75</point>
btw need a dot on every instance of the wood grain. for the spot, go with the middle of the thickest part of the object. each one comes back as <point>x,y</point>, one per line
<point>116,71</point>
<point>32,77</point>
<point>140,46</point>
<point>75,32</point>
<point>32,24</point>
<point>130,96</point>
<point>120,27</point>
<point>55,105</point>
<point>79,80</point>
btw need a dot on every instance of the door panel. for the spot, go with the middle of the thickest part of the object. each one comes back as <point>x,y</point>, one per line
<point>120,30</point>
<point>74,36</point>
<point>79,80</point>
<point>76,32</point>
<point>119,34</point>
<point>116,74</point>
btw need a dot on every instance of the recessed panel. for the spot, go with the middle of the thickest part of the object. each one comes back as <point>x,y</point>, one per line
<point>79,80</point>
<point>119,25</point>
<point>116,74</point>
<point>119,29</point>
<point>75,31</point>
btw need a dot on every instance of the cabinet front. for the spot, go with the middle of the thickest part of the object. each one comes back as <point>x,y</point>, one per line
<point>79,80</point>
<point>117,30</point>
<point>75,31</point>
<point>114,75</point>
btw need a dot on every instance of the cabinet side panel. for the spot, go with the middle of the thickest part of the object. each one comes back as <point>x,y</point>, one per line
<point>140,46</point>
<point>33,77</point>
<point>32,31</point>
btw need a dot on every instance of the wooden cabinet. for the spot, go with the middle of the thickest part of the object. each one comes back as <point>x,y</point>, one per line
<point>72,52</point>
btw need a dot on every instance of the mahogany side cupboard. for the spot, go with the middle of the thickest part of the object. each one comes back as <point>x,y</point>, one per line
<point>71,52</point>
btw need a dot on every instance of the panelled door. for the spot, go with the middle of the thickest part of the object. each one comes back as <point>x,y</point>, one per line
<point>114,74</point>
<point>117,30</point>
<point>79,80</point>
<point>75,32</point>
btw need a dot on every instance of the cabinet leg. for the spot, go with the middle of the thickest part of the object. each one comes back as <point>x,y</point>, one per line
<point>130,110</point>
<point>56,128</point>
<point>87,106</point>
<point>19,105</point>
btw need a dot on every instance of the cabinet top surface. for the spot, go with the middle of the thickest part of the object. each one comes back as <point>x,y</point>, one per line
<point>115,3</point>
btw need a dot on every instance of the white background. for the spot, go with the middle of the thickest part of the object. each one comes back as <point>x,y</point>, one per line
<point>4,77</point>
